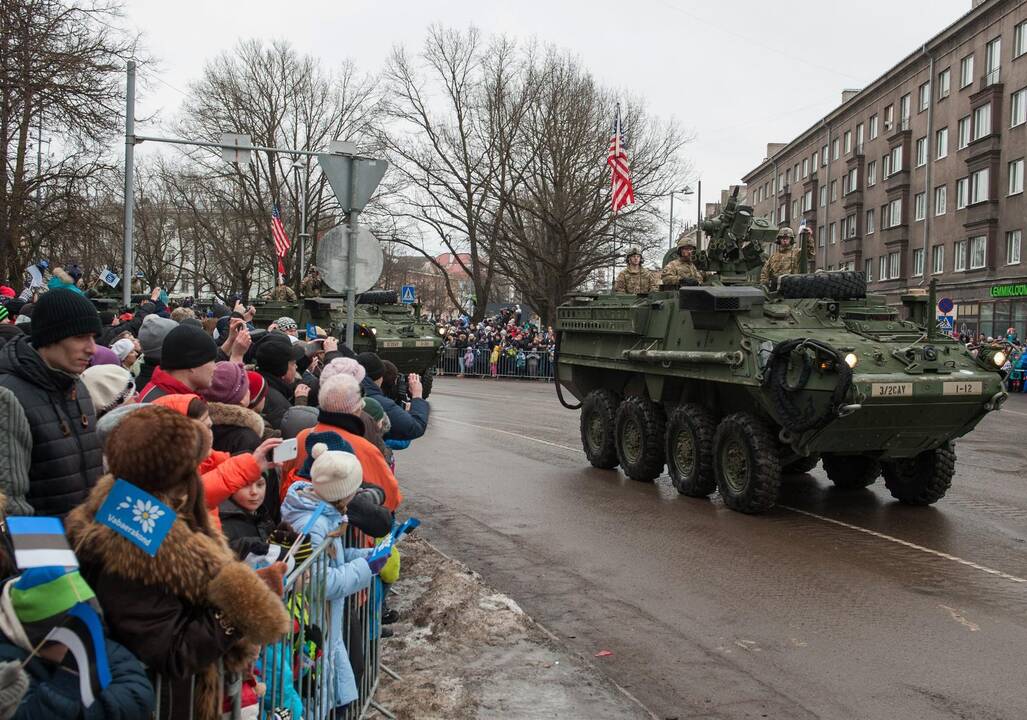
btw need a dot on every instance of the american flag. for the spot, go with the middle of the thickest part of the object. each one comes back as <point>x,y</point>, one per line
<point>282,242</point>
<point>617,159</point>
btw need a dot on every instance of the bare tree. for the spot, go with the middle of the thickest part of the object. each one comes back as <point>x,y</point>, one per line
<point>60,63</point>
<point>455,110</point>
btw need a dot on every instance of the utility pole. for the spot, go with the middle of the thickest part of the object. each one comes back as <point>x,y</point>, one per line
<point>130,141</point>
<point>302,190</point>
<point>351,255</point>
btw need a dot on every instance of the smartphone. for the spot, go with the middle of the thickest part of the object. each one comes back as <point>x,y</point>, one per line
<point>286,451</point>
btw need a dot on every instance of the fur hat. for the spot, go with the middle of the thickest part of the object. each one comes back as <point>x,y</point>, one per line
<point>156,449</point>
<point>334,475</point>
<point>108,386</point>
<point>229,385</point>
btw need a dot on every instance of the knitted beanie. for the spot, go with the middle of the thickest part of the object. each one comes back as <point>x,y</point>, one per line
<point>274,354</point>
<point>156,449</point>
<point>297,419</point>
<point>105,425</point>
<point>106,318</point>
<point>104,356</point>
<point>3,312</point>
<point>122,348</point>
<point>187,347</point>
<point>151,336</point>
<point>258,387</point>
<point>229,385</point>
<point>331,440</point>
<point>372,364</point>
<point>344,365</point>
<point>334,475</point>
<point>40,593</point>
<point>108,386</point>
<point>286,323</point>
<point>61,314</point>
<point>374,409</point>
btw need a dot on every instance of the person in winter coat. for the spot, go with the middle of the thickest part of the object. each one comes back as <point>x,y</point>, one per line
<point>186,366</point>
<point>407,423</point>
<point>192,603</point>
<point>335,478</point>
<point>32,605</point>
<point>222,474</point>
<point>55,471</point>
<point>245,520</point>
<point>349,366</point>
<point>152,331</point>
<point>236,428</point>
<point>276,360</point>
<point>340,401</point>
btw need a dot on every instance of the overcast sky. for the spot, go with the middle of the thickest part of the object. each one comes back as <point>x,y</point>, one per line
<point>737,75</point>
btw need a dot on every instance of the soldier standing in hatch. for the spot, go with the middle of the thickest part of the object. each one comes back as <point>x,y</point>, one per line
<point>785,260</point>
<point>283,293</point>
<point>312,285</point>
<point>635,278</point>
<point>682,267</point>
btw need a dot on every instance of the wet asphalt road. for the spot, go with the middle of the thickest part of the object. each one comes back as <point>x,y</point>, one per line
<point>834,605</point>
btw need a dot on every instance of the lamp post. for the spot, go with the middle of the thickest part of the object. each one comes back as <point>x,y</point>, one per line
<point>684,191</point>
<point>301,189</point>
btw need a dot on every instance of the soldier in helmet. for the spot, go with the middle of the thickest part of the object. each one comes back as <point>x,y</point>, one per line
<point>282,292</point>
<point>312,285</point>
<point>682,267</point>
<point>635,278</point>
<point>785,259</point>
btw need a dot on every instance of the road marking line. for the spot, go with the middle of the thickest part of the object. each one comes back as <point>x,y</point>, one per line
<point>857,528</point>
<point>958,617</point>
<point>1014,412</point>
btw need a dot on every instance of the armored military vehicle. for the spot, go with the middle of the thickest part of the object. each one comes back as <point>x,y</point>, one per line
<point>730,385</point>
<point>381,325</point>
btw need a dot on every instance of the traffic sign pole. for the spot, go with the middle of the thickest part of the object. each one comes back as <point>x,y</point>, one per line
<point>351,255</point>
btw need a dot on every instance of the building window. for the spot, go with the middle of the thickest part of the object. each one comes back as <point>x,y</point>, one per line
<point>894,264</point>
<point>918,262</point>
<point>978,252</point>
<point>964,131</point>
<point>868,269</point>
<point>870,222</point>
<point>850,226</point>
<point>992,61</point>
<point>823,156</point>
<point>904,112</point>
<point>823,196</point>
<point>966,71</point>
<point>788,176</point>
<point>979,186</point>
<point>851,181</point>
<point>872,122</point>
<point>889,117</point>
<point>781,182</point>
<point>1013,238</point>
<point>795,172</point>
<point>921,152</point>
<point>920,206</point>
<point>896,160</point>
<point>959,250</point>
<point>895,212</point>
<point>833,233</point>
<point>962,193</point>
<point>813,164</point>
<point>782,214</point>
<point>820,236</point>
<point>795,208</point>
<point>982,121</point>
<point>1018,108</point>
<point>807,201</point>
<point>859,138</point>
<point>835,147</point>
<point>941,142</point>
<point>944,83</point>
<point>848,141</point>
<point>937,259</point>
<point>834,190</point>
<point>1016,177</point>
<point>1020,39</point>
<point>805,168</point>
<point>886,166</point>
<point>871,173</point>
<point>940,200</point>
<point>882,267</point>
<point>923,96</point>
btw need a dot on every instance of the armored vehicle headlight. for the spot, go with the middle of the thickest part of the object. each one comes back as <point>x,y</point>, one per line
<point>851,359</point>
<point>442,331</point>
<point>999,358</point>
<point>374,331</point>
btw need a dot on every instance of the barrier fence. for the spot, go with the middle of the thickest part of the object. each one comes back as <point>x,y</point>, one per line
<point>531,364</point>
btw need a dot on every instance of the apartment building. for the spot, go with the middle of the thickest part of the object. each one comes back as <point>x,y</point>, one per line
<point>920,175</point>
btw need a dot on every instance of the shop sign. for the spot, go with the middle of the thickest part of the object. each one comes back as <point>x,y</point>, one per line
<point>1009,291</point>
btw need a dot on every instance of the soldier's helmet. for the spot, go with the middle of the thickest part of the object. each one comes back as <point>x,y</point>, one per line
<point>685,240</point>
<point>633,251</point>
<point>785,232</point>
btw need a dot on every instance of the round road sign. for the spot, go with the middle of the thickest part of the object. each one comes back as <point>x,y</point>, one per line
<point>945,305</point>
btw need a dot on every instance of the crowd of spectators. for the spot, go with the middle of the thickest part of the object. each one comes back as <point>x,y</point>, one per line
<point>1014,369</point>
<point>506,344</point>
<point>189,410</point>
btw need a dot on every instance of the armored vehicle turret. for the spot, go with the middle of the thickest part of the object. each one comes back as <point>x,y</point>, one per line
<point>730,385</point>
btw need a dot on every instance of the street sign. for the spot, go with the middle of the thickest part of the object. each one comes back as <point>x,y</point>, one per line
<point>945,305</point>
<point>946,323</point>
<point>408,295</point>
<point>365,173</point>
<point>235,154</point>
<point>332,254</point>
<point>110,278</point>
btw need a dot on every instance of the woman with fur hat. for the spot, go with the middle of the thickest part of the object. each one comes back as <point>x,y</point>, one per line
<point>192,603</point>
<point>335,477</point>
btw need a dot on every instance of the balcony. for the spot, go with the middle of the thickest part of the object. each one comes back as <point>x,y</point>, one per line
<point>986,148</point>
<point>895,235</point>
<point>902,128</point>
<point>853,199</point>
<point>897,180</point>
<point>992,78</point>
<point>981,214</point>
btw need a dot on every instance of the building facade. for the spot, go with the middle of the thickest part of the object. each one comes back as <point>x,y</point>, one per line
<point>920,175</point>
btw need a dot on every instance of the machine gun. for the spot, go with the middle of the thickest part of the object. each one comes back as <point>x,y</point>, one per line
<point>736,243</point>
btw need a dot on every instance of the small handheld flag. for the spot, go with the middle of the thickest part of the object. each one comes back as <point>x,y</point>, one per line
<point>137,516</point>
<point>40,542</point>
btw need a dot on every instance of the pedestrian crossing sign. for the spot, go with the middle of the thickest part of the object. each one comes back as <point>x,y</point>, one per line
<point>407,295</point>
<point>946,323</point>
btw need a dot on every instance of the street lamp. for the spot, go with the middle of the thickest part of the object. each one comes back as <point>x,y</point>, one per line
<point>686,190</point>
<point>301,188</point>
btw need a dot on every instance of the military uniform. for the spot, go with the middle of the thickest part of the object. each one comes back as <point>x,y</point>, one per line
<point>680,269</point>
<point>785,261</point>
<point>283,293</point>
<point>312,286</point>
<point>635,280</point>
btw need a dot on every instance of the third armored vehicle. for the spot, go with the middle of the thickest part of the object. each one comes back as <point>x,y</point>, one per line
<point>729,385</point>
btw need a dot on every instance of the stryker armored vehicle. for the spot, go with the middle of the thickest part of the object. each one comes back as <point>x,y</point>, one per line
<point>730,385</point>
<point>381,325</point>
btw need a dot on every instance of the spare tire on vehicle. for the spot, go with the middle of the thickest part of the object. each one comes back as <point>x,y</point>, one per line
<point>377,297</point>
<point>833,285</point>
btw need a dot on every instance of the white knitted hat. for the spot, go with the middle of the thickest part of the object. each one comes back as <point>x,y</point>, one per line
<point>122,348</point>
<point>108,386</point>
<point>335,475</point>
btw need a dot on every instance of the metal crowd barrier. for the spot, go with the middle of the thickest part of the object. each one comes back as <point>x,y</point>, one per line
<point>532,365</point>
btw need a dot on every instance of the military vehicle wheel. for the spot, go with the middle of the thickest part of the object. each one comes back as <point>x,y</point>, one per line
<point>426,383</point>
<point>836,285</point>
<point>640,435</point>
<point>852,472</point>
<point>747,463</point>
<point>802,465</point>
<point>924,479</point>
<point>597,425</point>
<point>689,450</point>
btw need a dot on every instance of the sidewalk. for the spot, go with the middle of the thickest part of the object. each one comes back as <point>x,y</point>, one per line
<point>465,651</point>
